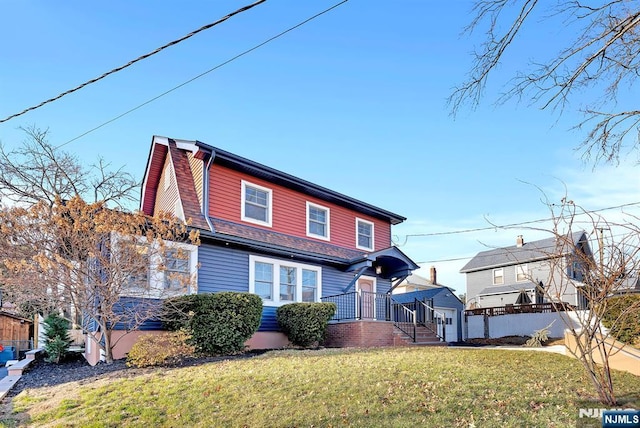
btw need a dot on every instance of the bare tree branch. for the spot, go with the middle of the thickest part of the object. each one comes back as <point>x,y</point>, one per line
<point>603,56</point>
<point>36,172</point>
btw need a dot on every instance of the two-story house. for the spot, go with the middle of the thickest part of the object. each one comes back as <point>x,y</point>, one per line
<point>267,232</point>
<point>528,272</point>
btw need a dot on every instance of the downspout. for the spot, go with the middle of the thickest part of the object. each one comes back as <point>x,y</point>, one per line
<point>205,191</point>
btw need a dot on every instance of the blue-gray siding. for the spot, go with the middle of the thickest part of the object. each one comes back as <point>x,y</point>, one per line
<point>227,269</point>
<point>130,305</point>
<point>222,269</point>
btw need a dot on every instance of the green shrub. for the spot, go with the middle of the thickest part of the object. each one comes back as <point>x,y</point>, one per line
<point>177,311</point>
<point>305,324</point>
<point>159,349</point>
<point>56,338</point>
<point>218,323</point>
<point>622,318</point>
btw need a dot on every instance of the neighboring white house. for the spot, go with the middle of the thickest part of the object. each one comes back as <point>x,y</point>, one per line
<point>418,283</point>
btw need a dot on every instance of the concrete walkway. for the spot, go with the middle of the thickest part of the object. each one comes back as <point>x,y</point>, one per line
<point>14,372</point>
<point>557,349</point>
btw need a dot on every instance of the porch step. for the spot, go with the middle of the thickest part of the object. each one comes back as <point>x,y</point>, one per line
<point>424,337</point>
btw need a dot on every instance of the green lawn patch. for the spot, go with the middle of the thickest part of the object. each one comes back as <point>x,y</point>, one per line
<point>394,387</point>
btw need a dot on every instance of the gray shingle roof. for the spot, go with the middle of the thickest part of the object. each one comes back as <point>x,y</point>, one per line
<point>528,252</point>
<point>513,288</point>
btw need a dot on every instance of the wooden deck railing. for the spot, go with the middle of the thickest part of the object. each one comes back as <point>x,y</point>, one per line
<point>531,308</point>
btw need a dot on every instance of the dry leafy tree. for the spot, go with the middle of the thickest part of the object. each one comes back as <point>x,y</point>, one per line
<point>600,59</point>
<point>112,268</point>
<point>603,266</point>
<point>37,171</point>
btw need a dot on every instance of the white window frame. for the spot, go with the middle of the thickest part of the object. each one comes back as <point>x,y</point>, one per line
<point>175,271</point>
<point>156,275</point>
<point>373,245</point>
<point>326,237</point>
<point>523,270</point>
<point>269,204</point>
<point>275,292</point>
<point>501,276</point>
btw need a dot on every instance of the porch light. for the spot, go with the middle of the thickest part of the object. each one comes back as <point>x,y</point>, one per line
<point>378,270</point>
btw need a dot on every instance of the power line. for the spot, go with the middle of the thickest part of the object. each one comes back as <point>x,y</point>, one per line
<point>478,255</point>
<point>504,226</point>
<point>149,101</point>
<point>130,63</point>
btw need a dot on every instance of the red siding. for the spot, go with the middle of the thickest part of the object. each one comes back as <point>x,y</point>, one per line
<point>289,210</point>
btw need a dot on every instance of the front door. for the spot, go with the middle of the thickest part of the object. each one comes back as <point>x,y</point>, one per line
<point>366,288</point>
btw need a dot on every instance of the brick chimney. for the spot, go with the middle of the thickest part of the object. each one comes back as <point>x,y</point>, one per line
<point>519,241</point>
<point>432,271</point>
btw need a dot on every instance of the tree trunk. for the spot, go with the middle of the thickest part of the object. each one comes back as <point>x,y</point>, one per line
<point>108,352</point>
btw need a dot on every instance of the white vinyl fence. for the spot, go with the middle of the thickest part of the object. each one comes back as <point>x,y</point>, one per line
<point>524,324</point>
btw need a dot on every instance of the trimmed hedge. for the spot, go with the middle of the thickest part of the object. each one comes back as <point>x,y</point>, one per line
<point>159,349</point>
<point>218,323</point>
<point>305,324</point>
<point>625,328</point>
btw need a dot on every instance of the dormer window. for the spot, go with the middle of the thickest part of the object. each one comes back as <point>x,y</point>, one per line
<point>256,204</point>
<point>364,234</point>
<point>317,221</point>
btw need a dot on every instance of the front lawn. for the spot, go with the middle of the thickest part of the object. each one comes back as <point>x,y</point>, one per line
<point>434,387</point>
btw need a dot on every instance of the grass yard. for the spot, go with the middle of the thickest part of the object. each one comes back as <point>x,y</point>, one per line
<point>397,387</point>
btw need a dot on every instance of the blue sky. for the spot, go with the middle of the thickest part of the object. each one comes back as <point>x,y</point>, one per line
<point>354,100</point>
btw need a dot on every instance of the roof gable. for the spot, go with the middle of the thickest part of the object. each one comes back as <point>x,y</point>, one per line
<point>161,150</point>
<point>543,249</point>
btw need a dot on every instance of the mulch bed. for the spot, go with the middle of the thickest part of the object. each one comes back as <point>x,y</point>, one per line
<point>76,369</point>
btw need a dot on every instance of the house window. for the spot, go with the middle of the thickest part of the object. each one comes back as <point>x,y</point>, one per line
<point>364,234</point>
<point>317,221</point>
<point>263,283</point>
<point>288,283</point>
<point>256,204</point>
<point>295,282</point>
<point>167,177</point>
<point>522,273</point>
<point>177,271</point>
<point>498,276</point>
<point>140,265</point>
<point>309,285</point>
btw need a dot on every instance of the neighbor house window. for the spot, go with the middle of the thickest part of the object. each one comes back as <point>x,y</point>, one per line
<point>522,272</point>
<point>317,221</point>
<point>177,273</point>
<point>364,234</point>
<point>498,276</point>
<point>295,282</point>
<point>256,204</point>
<point>575,270</point>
